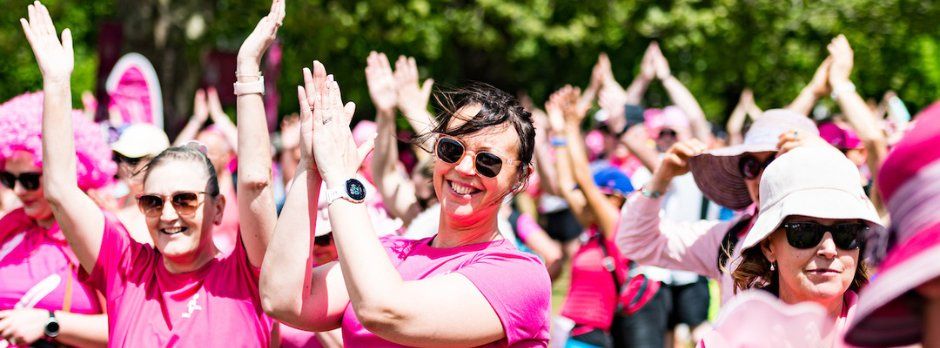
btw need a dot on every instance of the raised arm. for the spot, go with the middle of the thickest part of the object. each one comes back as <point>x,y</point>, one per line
<point>256,207</point>
<point>815,89</point>
<point>79,218</point>
<point>413,96</point>
<point>415,313</point>
<point>637,88</point>
<point>738,115</point>
<point>196,121</point>
<point>854,107</point>
<point>220,118</point>
<point>682,97</point>
<point>292,291</point>
<point>563,166</point>
<point>397,191</point>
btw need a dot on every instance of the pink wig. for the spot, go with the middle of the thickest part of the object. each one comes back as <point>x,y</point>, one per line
<point>21,127</point>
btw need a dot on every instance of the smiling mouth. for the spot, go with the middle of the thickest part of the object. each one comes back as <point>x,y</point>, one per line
<point>823,271</point>
<point>462,189</point>
<point>174,230</point>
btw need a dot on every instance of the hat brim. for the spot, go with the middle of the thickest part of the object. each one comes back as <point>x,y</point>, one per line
<point>126,149</point>
<point>884,315</point>
<point>822,203</point>
<point>717,174</point>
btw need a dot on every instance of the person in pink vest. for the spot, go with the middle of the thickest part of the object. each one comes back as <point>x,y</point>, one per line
<point>42,301</point>
<point>182,291</point>
<point>464,286</point>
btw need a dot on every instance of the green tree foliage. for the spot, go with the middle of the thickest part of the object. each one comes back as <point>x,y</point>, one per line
<point>716,47</point>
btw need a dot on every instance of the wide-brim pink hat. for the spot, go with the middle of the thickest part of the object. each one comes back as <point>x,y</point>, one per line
<point>717,172</point>
<point>890,311</point>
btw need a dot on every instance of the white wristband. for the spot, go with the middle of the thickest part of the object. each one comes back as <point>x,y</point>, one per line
<point>255,87</point>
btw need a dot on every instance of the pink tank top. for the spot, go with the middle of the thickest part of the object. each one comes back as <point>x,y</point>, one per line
<point>592,296</point>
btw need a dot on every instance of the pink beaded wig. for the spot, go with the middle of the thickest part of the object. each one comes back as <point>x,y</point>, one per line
<point>21,130</point>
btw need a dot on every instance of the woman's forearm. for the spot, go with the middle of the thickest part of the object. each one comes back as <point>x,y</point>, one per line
<point>82,330</point>
<point>256,208</point>
<point>605,213</point>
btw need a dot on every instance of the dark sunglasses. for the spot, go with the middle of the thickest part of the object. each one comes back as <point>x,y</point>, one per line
<point>667,133</point>
<point>808,234</point>
<point>751,167</point>
<point>29,180</point>
<point>184,202</point>
<point>119,158</point>
<point>451,150</point>
<point>324,240</point>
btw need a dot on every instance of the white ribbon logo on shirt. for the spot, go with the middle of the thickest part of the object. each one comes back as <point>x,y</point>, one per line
<point>192,306</point>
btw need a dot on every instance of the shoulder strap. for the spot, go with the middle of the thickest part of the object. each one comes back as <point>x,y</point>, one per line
<point>67,300</point>
<point>610,263</point>
<point>729,241</point>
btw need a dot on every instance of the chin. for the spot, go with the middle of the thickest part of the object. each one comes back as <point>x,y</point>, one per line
<point>828,290</point>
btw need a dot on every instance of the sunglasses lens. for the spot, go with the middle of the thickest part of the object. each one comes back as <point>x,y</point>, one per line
<point>847,236</point>
<point>803,235</point>
<point>30,181</point>
<point>449,150</point>
<point>488,164</point>
<point>323,240</point>
<point>151,205</point>
<point>749,167</point>
<point>8,180</point>
<point>185,203</point>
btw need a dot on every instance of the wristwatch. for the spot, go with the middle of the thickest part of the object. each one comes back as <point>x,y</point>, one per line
<point>353,190</point>
<point>52,326</point>
<point>646,192</point>
<point>254,87</point>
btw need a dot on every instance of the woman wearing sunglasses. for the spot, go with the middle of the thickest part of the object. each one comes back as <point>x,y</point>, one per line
<point>730,177</point>
<point>465,286</point>
<point>806,244</point>
<point>182,291</point>
<point>42,299</point>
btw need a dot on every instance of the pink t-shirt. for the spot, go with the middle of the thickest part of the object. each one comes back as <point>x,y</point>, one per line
<point>297,338</point>
<point>215,306</point>
<point>515,283</point>
<point>36,267</point>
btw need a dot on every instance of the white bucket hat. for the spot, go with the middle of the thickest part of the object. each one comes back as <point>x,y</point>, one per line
<point>141,139</point>
<point>816,181</point>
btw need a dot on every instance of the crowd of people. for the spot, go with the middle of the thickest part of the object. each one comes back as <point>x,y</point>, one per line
<point>809,227</point>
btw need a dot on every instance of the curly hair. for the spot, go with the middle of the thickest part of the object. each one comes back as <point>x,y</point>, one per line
<point>21,126</point>
<point>753,272</point>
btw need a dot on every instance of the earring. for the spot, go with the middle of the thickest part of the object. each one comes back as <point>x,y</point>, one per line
<point>773,266</point>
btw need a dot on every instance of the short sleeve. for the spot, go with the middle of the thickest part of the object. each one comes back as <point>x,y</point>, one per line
<point>522,304</point>
<point>116,258</point>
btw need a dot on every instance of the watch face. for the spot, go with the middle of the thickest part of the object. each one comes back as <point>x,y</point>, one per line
<point>52,328</point>
<point>355,189</point>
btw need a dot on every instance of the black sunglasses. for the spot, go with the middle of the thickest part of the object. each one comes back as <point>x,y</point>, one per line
<point>324,240</point>
<point>667,133</point>
<point>131,161</point>
<point>751,167</point>
<point>808,234</point>
<point>29,180</point>
<point>184,202</point>
<point>451,150</point>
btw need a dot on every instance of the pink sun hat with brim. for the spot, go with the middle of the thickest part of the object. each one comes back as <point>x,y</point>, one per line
<point>134,90</point>
<point>889,311</point>
<point>673,118</point>
<point>755,318</point>
<point>816,181</point>
<point>717,172</point>
<point>842,137</point>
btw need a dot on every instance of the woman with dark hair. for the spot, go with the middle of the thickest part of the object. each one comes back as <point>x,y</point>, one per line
<point>464,286</point>
<point>182,291</point>
<point>807,243</point>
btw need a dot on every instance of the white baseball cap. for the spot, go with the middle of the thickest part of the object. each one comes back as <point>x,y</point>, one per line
<point>141,139</point>
<point>815,181</point>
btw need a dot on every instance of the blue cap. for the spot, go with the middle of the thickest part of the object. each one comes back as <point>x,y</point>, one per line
<point>612,180</point>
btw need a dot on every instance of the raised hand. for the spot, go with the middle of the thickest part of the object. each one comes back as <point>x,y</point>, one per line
<point>660,64</point>
<point>573,110</point>
<point>554,110</point>
<point>249,55</point>
<point>290,131</point>
<point>216,112</point>
<point>412,95</point>
<point>842,60</point>
<point>647,65</point>
<point>381,82</point>
<point>200,106</point>
<point>820,82</point>
<point>56,59</point>
<point>675,162</point>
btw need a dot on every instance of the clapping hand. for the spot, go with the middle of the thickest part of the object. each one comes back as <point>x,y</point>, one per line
<point>56,59</point>
<point>381,82</point>
<point>842,60</point>
<point>249,55</point>
<point>660,64</point>
<point>413,96</point>
<point>325,132</point>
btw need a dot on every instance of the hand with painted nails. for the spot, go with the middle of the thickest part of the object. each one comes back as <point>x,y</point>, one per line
<point>56,59</point>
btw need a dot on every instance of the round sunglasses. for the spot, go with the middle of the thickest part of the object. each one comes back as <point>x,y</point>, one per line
<point>184,202</point>
<point>808,234</point>
<point>486,163</point>
<point>29,180</point>
<point>751,167</point>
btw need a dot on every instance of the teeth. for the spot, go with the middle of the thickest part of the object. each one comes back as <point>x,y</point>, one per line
<point>461,189</point>
<point>173,230</point>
